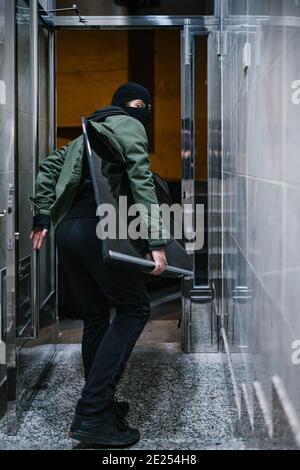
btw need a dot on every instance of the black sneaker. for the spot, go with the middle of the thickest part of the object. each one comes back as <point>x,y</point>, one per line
<point>107,429</point>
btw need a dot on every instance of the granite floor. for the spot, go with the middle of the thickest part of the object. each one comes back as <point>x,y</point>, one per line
<point>178,401</point>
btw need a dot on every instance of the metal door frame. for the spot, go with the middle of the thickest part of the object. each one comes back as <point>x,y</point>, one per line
<point>190,27</point>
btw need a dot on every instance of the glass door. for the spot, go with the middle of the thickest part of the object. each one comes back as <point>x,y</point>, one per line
<point>32,343</point>
<point>200,91</point>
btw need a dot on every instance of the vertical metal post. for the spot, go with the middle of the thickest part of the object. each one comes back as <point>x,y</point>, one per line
<point>52,111</point>
<point>52,139</point>
<point>222,14</point>
<point>11,362</point>
<point>34,79</point>
<point>187,189</point>
<point>52,90</point>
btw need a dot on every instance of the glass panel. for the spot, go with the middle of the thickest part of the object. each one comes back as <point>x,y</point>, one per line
<point>24,316</point>
<point>32,355</point>
<point>46,256</point>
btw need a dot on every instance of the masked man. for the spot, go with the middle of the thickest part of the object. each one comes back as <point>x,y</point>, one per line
<point>64,196</point>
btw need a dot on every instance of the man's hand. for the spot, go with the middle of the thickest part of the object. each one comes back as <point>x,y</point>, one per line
<point>160,260</point>
<point>38,237</point>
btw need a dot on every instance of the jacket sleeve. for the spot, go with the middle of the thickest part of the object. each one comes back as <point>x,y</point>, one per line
<point>135,145</point>
<point>48,172</point>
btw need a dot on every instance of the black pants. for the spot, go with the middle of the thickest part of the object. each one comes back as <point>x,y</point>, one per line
<point>106,346</point>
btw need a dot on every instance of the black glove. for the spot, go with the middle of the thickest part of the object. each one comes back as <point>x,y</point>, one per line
<point>41,222</point>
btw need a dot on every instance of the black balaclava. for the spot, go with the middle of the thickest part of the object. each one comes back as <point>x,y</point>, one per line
<point>133,91</point>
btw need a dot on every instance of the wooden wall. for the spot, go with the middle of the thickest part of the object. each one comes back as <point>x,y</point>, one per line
<point>91,65</point>
<point>167,158</point>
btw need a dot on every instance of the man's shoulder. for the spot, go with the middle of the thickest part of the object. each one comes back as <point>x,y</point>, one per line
<point>122,131</point>
<point>127,129</point>
<point>121,120</point>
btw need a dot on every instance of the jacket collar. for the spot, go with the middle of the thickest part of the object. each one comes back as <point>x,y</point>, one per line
<point>102,113</point>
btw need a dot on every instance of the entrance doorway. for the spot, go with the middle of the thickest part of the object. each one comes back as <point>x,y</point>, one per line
<point>90,66</point>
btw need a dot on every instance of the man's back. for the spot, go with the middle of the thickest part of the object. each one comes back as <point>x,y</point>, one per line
<point>60,174</point>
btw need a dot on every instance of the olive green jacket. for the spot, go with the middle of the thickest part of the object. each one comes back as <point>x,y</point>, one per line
<point>59,174</point>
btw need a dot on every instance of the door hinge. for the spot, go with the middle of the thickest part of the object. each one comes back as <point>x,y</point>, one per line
<point>221,43</point>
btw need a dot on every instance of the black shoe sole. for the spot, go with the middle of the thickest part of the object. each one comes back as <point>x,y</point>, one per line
<point>87,437</point>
